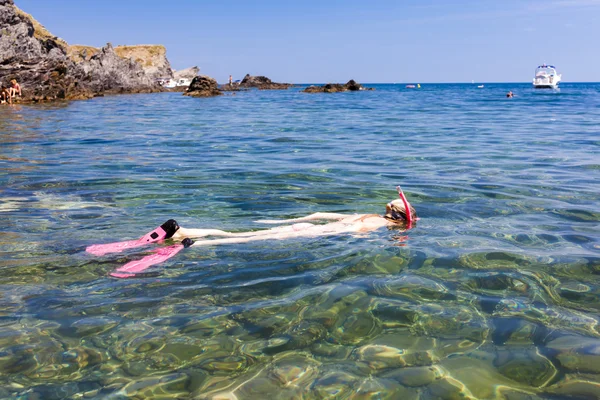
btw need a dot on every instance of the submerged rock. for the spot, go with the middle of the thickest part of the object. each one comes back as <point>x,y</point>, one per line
<point>350,86</point>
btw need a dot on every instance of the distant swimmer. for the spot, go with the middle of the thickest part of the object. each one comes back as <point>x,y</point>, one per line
<point>509,94</point>
<point>398,213</point>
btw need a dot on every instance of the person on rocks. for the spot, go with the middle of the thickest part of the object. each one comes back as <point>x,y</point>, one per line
<point>15,88</point>
<point>5,96</point>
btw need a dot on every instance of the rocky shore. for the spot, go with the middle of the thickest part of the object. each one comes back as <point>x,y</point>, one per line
<point>350,86</point>
<point>47,71</point>
<point>48,68</point>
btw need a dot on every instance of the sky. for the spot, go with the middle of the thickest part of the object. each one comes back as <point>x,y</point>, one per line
<point>320,41</point>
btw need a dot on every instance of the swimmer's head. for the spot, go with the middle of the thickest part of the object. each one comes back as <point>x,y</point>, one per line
<point>396,212</point>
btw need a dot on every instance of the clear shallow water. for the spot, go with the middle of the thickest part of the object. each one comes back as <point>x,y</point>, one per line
<point>495,294</point>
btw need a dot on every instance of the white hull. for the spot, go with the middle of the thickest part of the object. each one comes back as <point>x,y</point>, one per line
<point>546,77</point>
<point>545,85</point>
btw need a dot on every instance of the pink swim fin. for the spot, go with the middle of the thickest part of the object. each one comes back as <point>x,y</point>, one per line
<point>133,267</point>
<point>163,232</point>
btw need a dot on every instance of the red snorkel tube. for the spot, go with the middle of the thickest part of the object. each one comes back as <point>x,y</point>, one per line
<point>406,207</point>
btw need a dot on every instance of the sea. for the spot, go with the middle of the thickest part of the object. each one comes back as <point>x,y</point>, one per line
<point>494,293</point>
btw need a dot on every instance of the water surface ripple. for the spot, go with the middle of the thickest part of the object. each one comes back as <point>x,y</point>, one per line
<point>494,295</point>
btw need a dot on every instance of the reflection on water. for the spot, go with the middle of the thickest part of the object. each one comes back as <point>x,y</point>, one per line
<point>494,295</point>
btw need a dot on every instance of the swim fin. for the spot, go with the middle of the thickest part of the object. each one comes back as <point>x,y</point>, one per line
<point>133,267</point>
<point>165,231</point>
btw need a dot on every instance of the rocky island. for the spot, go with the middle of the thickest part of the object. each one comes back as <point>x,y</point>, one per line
<point>262,83</point>
<point>47,68</point>
<point>350,86</point>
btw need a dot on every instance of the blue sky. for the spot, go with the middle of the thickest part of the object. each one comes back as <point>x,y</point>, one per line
<point>333,41</point>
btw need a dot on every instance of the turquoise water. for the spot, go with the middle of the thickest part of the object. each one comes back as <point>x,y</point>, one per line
<point>495,294</point>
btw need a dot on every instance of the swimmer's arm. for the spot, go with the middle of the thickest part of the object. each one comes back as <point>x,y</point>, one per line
<point>312,217</point>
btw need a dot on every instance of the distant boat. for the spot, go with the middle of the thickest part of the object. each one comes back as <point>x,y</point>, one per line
<point>167,82</point>
<point>480,86</point>
<point>410,86</point>
<point>546,77</point>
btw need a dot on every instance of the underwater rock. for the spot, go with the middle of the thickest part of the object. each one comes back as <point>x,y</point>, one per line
<point>550,316</point>
<point>517,330</point>
<point>89,326</point>
<point>203,327</point>
<point>338,384</point>
<point>355,327</point>
<point>298,337</point>
<point>383,389</point>
<point>476,372</point>
<point>493,282</point>
<point>294,369</point>
<point>393,313</point>
<point>330,351</point>
<point>451,322</point>
<point>379,357</point>
<point>525,365</point>
<point>412,287</point>
<point>170,385</point>
<point>576,353</point>
<point>448,388</point>
<point>415,376</point>
<point>575,387</point>
<point>496,261</point>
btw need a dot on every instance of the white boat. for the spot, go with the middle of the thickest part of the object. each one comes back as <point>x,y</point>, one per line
<point>184,82</point>
<point>546,77</point>
<point>480,86</point>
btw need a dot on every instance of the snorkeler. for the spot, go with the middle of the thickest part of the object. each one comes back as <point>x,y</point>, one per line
<point>397,213</point>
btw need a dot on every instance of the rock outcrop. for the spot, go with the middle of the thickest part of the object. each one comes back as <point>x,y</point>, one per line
<point>262,83</point>
<point>203,86</point>
<point>350,86</point>
<point>39,61</point>
<point>187,73</point>
<point>152,58</point>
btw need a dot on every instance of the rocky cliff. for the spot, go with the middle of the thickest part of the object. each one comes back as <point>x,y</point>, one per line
<point>152,58</point>
<point>188,73</point>
<point>41,64</point>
